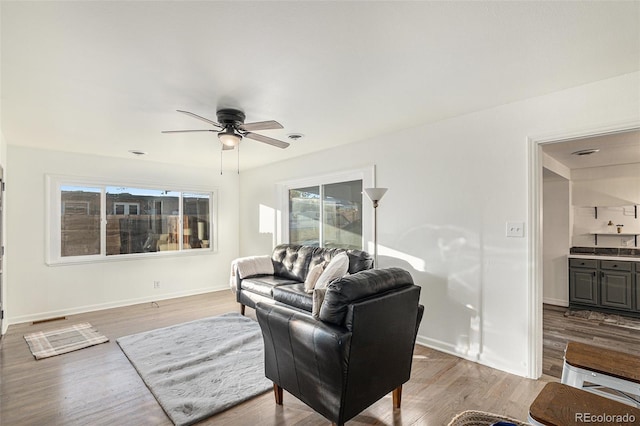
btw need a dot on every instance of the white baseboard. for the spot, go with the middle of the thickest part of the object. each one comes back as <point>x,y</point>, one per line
<point>557,302</point>
<point>443,347</point>
<point>450,349</point>
<point>109,305</point>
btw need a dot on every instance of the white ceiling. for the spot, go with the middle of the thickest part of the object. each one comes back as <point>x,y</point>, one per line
<point>612,149</point>
<point>107,77</point>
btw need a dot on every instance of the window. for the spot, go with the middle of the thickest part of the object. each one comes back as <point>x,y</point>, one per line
<point>95,222</point>
<point>327,213</point>
<point>126,208</point>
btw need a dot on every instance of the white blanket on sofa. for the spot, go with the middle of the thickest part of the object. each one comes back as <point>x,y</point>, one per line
<point>249,266</point>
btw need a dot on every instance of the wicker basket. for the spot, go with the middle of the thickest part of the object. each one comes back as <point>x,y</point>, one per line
<point>480,418</point>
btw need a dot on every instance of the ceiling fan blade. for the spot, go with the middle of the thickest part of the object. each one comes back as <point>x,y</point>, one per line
<point>200,118</point>
<point>185,131</point>
<point>260,125</point>
<point>266,139</point>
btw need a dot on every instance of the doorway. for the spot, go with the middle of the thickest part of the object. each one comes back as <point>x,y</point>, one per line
<point>1,250</point>
<point>539,161</point>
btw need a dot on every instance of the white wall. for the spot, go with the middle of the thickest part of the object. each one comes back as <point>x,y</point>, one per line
<point>615,190</point>
<point>3,290</point>
<point>556,239</point>
<point>36,291</point>
<point>453,185</point>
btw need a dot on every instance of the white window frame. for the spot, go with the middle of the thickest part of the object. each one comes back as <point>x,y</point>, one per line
<point>53,240</point>
<point>127,208</point>
<point>367,175</point>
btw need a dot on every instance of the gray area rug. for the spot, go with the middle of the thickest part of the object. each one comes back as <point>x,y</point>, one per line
<point>200,368</point>
<point>605,318</point>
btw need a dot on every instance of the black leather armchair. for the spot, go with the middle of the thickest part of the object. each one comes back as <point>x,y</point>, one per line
<point>359,350</point>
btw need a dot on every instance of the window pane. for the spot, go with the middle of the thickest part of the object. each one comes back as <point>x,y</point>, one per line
<point>195,209</point>
<point>304,216</point>
<point>343,215</point>
<point>142,220</point>
<point>80,223</point>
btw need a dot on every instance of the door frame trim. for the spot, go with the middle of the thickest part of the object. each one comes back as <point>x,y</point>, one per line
<point>535,262</point>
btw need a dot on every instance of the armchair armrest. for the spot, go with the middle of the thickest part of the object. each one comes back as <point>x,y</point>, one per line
<point>307,357</point>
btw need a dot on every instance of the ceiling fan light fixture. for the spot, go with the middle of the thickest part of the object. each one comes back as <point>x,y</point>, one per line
<point>229,137</point>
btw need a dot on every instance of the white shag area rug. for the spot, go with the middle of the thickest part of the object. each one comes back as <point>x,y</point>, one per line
<point>202,367</point>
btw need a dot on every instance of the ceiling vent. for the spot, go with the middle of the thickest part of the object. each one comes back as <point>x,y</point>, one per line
<point>585,152</point>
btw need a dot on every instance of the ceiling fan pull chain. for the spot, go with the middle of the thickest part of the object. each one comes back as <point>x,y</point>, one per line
<point>220,161</point>
<point>238,158</point>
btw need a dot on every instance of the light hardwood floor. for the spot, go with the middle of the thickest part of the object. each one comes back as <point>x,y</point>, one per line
<point>98,385</point>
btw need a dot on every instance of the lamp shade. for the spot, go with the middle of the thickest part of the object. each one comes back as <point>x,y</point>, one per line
<point>375,194</point>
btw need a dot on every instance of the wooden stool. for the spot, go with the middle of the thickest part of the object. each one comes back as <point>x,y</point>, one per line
<point>562,405</point>
<point>602,368</point>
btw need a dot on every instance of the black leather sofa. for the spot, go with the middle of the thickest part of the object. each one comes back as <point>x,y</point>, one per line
<point>291,264</point>
<point>358,350</point>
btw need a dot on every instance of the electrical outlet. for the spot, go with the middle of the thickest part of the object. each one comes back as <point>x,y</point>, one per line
<point>156,284</point>
<point>515,229</point>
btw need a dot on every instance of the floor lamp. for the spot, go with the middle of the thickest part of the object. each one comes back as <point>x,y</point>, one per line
<point>375,195</point>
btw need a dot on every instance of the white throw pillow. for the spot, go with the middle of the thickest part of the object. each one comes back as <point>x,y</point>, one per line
<point>312,277</point>
<point>337,268</point>
<point>318,298</point>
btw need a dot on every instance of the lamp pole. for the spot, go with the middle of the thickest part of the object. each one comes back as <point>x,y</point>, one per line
<point>375,195</point>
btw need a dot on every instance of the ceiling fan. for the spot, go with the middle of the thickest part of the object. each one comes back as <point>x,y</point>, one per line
<point>231,128</point>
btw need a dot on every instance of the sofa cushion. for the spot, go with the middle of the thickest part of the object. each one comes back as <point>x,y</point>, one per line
<point>295,261</point>
<point>359,261</point>
<point>291,261</point>
<point>264,284</point>
<point>342,292</point>
<point>293,295</point>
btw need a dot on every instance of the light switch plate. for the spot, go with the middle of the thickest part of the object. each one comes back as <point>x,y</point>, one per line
<point>515,229</point>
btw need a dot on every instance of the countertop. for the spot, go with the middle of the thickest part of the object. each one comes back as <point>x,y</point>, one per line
<point>604,257</point>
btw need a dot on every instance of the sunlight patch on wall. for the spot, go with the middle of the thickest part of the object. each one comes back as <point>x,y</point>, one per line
<point>267,222</point>
<point>415,262</point>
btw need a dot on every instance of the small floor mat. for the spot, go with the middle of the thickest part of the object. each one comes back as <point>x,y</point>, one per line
<point>56,342</point>
<point>605,318</point>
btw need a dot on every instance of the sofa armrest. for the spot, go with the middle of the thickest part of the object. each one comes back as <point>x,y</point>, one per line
<point>307,357</point>
<point>235,279</point>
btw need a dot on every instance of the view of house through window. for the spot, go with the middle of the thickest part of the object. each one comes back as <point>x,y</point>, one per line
<point>304,216</point>
<point>142,220</point>
<point>327,215</point>
<point>137,220</point>
<point>80,224</point>
<point>195,209</point>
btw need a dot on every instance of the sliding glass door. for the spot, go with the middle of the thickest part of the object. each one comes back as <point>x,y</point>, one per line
<point>328,215</point>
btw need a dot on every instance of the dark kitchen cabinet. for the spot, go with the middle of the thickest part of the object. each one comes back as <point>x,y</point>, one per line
<point>583,282</point>
<point>605,285</point>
